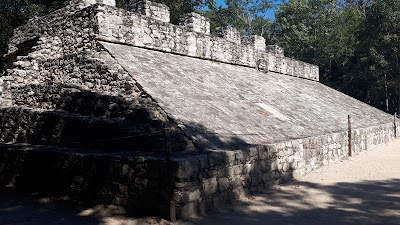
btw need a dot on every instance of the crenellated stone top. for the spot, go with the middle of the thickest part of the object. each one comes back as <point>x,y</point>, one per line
<point>147,24</point>
<point>196,23</point>
<point>154,10</point>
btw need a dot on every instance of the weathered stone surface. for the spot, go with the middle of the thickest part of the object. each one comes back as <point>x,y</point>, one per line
<point>192,37</point>
<point>154,10</point>
<point>193,89</point>
<point>251,129</point>
<point>210,186</point>
<point>186,168</point>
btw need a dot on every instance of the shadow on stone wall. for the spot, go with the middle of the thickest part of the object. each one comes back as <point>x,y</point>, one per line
<point>207,139</point>
<point>95,123</point>
<point>75,117</point>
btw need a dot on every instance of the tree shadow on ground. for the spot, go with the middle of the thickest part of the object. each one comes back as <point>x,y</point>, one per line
<point>32,208</point>
<point>366,202</point>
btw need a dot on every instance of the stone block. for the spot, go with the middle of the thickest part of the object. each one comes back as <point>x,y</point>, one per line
<point>223,184</point>
<point>229,158</point>
<point>224,172</point>
<point>203,162</point>
<point>195,23</point>
<point>275,166</point>
<point>255,41</point>
<point>275,49</point>
<point>286,167</point>
<point>217,160</point>
<point>248,168</point>
<point>236,182</point>
<point>186,184</point>
<point>150,9</point>
<point>229,34</point>
<point>186,168</point>
<point>237,193</point>
<point>210,186</point>
<point>187,196</point>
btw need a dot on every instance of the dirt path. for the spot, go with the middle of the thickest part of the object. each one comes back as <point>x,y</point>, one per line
<point>364,189</point>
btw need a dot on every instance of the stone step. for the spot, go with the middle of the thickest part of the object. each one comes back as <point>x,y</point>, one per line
<point>131,180</point>
<point>74,99</point>
<point>60,128</point>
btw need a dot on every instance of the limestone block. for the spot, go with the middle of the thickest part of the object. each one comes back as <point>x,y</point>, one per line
<point>256,41</point>
<point>275,49</point>
<point>196,23</point>
<point>228,33</point>
<point>286,167</point>
<point>153,10</point>
<point>236,170</point>
<point>223,184</point>
<point>187,196</point>
<point>210,186</point>
<point>186,168</point>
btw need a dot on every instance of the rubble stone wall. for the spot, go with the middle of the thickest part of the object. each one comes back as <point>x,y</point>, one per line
<point>209,181</point>
<point>65,68</point>
<point>134,181</point>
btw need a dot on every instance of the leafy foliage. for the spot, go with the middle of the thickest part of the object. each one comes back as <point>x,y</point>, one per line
<point>247,16</point>
<point>177,7</point>
<point>379,53</point>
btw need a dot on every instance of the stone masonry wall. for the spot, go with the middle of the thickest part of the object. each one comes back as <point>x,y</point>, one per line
<point>136,182</point>
<point>209,181</point>
<point>65,68</point>
<point>203,182</point>
<point>68,80</point>
<point>58,128</point>
<point>192,37</point>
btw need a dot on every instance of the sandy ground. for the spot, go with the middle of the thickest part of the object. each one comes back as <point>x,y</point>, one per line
<point>364,189</point>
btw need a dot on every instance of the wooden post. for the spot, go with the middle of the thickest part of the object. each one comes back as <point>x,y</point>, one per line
<point>172,213</point>
<point>349,133</point>
<point>394,125</point>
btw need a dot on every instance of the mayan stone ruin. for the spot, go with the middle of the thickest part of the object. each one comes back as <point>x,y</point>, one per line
<point>96,97</point>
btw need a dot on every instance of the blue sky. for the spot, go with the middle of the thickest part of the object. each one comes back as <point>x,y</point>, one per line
<point>221,2</point>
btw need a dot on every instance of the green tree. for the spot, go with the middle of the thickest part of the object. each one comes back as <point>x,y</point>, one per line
<point>378,55</point>
<point>321,32</point>
<point>247,16</point>
<point>177,7</point>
